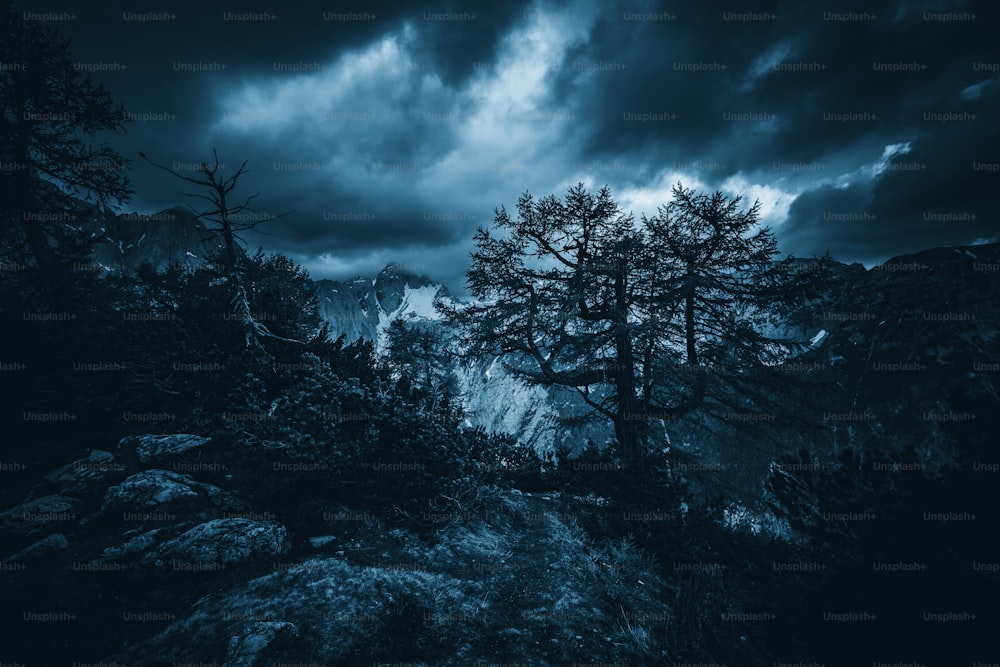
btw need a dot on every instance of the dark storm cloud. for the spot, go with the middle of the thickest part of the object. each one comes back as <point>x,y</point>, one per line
<point>176,69</point>
<point>938,193</point>
<point>173,60</point>
<point>801,95</point>
<point>832,220</point>
<point>391,130</point>
<point>709,65</point>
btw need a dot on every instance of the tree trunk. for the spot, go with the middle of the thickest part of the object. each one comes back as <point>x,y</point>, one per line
<point>53,275</point>
<point>692,352</point>
<point>631,422</point>
<point>241,303</point>
<point>630,430</point>
<point>25,202</point>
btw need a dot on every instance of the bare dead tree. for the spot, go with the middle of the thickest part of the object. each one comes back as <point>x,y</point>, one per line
<point>230,225</point>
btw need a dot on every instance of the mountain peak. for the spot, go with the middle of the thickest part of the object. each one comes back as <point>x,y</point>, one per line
<point>391,283</point>
<point>173,237</point>
<point>394,272</point>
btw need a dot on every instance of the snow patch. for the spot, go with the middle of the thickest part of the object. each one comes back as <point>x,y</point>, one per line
<point>383,324</point>
<point>418,303</point>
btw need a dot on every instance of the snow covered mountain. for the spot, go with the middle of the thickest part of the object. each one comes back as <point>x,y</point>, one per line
<point>494,398</point>
<point>542,417</point>
<point>350,307</point>
<point>362,307</point>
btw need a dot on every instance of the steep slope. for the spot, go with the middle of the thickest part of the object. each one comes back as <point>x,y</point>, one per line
<point>361,307</point>
<point>908,365</point>
<point>174,237</point>
<point>917,340</point>
<point>122,242</point>
<point>350,308</point>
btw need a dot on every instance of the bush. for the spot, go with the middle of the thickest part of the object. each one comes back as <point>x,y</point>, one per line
<point>877,528</point>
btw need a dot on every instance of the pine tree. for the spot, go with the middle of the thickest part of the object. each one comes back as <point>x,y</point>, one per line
<point>417,357</point>
<point>639,319</point>
<point>48,109</point>
<point>282,294</point>
<point>717,292</point>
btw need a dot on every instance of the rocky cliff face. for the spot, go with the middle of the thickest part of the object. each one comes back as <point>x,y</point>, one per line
<point>123,242</point>
<point>350,307</point>
<point>362,306</point>
<point>174,237</point>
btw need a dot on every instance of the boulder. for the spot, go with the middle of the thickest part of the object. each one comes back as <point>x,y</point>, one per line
<point>250,647</point>
<point>153,495</point>
<point>138,544</point>
<point>42,548</point>
<point>157,448</point>
<point>322,540</point>
<point>39,515</point>
<point>216,544</point>
<point>86,476</point>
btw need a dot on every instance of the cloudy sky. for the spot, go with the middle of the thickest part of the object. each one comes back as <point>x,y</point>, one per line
<point>392,130</point>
